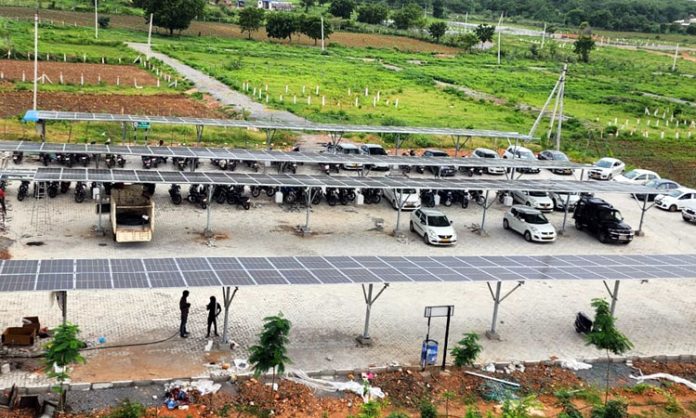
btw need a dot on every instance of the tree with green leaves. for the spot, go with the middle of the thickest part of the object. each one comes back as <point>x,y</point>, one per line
<point>448,395</point>
<point>408,16</point>
<point>311,26</point>
<point>173,14</point>
<point>373,13</point>
<point>251,19</point>
<point>691,29</point>
<point>281,25</point>
<point>584,44</point>
<point>467,350</point>
<point>437,30</point>
<point>605,336</point>
<point>467,41</point>
<point>271,351</point>
<point>342,8</point>
<point>61,352</point>
<point>307,4</point>
<point>438,9</point>
<point>484,33</point>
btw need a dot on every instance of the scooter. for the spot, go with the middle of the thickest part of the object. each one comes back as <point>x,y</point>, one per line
<point>64,186</point>
<point>80,192</point>
<point>147,162</point>
<point>53,189</point>
<point>175,194</point>
<point>428,198</point>
<point>120,161</point>
<point>23,190</point>
<point>110,161</point>
<point>17,157</point>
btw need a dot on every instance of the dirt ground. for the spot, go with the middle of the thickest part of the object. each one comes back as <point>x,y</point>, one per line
<point>16,103</point>
<point>232,31</point>
<point>128,75</point>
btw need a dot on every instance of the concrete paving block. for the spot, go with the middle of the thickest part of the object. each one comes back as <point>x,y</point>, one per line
<point>122,383</point>
<point>80,387</point>
<point>146,382</point>
<point>102,385</point>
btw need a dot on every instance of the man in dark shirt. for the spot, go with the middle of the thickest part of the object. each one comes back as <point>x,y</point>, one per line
<point>184,308</point>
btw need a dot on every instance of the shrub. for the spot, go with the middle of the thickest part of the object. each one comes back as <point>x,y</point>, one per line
<point>104,22</point>
<point>371,409</point>
<point>467,350</point>
<point>615,408</point>
<point>128,409</point>
<point>427,409</point>
<point>397,414</point>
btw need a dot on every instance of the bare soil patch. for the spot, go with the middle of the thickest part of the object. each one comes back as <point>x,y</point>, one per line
<point>127,75</point>
<point>16,103</point>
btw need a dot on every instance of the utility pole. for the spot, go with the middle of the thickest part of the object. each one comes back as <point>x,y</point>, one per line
<point>556,88</point>
<point>499,33</point>
<point>36,54</point>
<point>322,33</point>
<point>543,36</point>
<point>149,37</point>
<point>96,20</point>
<point>676,55</point>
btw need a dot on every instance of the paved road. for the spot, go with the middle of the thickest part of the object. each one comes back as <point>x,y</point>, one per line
<point>218,90</point>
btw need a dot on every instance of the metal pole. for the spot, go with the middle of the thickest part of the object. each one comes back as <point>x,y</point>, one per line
<point>149,37</point>
<point>499,35</point>
<point>36,56</point>
<point>543,36</point>
<point>100,230</point>
<point>496,303</point>
<point>447,327</point>
<point>322,33</point>
<point>565,213</point>
<point>676,54</point>
<point>398,213</point>
<point>227,299</point>
<point>208,231</point>
<point>642,215</point>
<point>65,306</point>
<point>485,208</point>
<point>614,296</point>
<point>96,20</point>
<point>560,112</point>
<point>309,202</point>
<point>368,308</point>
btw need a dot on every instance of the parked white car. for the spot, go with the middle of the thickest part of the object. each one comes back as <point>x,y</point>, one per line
<point>560,198</point>
<point>536,200</point>
<point>689,212</point>
<point>521,153</point>
<point>408,199</point>
<point>530,223</point>
<point>349,149</point>
<point>676,199</point>
<point>637,176</point>
<point>606,169</point>
<point>433,226</point>
<point>488,153</point>
<point>377,150</point>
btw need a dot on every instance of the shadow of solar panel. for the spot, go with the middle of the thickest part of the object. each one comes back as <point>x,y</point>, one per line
<point>235,278</point>
<point>298,276</point>
<point>160,265</point>
<point>285,263</point>
<point>56,266</point>
<point>17,283</point>
<point>160,279</point>
<point>360,275</point>
<point>93,281</point>
<point>130,280</point>
<point>51,281</point>
<point>126,265</point>
<point>193,264</point>
<point>20,267</point>
<point>267,277</point>
<point>255,263</point>
<point>201,278</point>
<point>330,276</point>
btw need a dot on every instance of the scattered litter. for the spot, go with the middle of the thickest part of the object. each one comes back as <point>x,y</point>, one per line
<point>490,368</point>
<point>329,358</point>
<point>573,364</point>
<point>208,345</point>
<point>515,366</point>
<point>483,376</point>
<point>241,364</point>
<point>363,389</point>
<point>691,385</point>
<point>203,386</point>
<point>498,392</point>
<point>393,363</point>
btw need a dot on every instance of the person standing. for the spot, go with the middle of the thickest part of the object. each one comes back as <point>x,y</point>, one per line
<point>2,200</point>
<point>184,306</point>
<point>214,310</point>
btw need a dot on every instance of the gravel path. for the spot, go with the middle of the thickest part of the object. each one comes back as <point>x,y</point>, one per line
<point>218,90</point>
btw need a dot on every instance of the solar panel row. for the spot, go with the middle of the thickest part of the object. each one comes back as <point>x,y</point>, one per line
<point>77,274</point>
<point>287,180</point>
<point>263,124</point>
<point>280,156</point>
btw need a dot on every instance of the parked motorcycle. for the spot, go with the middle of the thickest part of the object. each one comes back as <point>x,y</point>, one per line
<point>45,158</point>
<point>120,161</point>
<point>427,198</point>
<point>199,195</point>
<point>446,197</point>
<point>110,160</point>
<point>175,194</point>
<point>53,188</point>
<point>80,192</point>
<point>23,190</point>
<point>17,157</point>
<point>235,196</point>
<point>64,186</point>
<point>256,191</point>
<point>84,159</point>
<point>372,196</point>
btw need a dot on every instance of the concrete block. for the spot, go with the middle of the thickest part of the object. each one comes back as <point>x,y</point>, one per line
<point>122,383</point>
<point>327,372</point>
<point>146,382</point>
<point>38,389</point>
<point>345,372</point>
<point>102,385</point>
<point>379,369</point>
<point>162,382</point>
<point>80,387</point>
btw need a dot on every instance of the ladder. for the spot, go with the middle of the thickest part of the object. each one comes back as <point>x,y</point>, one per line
<point>41,212</point>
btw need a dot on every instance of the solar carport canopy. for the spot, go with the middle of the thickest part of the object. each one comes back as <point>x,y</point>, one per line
<point>357,182</point>
<point>279,156</point>
<point>38,115</point>
<point>78,274</point>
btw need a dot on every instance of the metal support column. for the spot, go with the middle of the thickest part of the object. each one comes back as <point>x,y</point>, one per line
<point>497,299</point>
<point>486,205</point>
<point>614,295</point>
<point>199,133</point>
<point>270,133</point>
<point>62,298</point>
<point>399,205</point>
<point>397,143</point>
<point>124,133</point>
<point>208,232</point>
<point>335,138</point>
<point>100,229</point>
<point>565,213</point>
<point>365,338</point>
<point>305,228</point>
<point>643,209</point>
<point>227,297</point>
<point>41,127</point>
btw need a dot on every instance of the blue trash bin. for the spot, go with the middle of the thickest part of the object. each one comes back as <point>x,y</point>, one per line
<point>429,353</point>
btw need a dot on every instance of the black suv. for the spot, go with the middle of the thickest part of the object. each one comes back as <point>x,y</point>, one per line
<point>441,171</point>
<point>602,219</point>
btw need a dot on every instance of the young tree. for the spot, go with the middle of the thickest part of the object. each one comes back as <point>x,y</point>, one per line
<point>437,30</point>
<point>173,14</point>
<point>408,16</point>
<point>62,351</point>
<point>484,33</point>
<point>438,9</point>
<point>605,336</point>
<point>281,25</point>
<point>271,352</point>
<point>250,19</point>
<point>467,41</point>
<point>691,29</point>
<point>311,26</point>
<point>448,395</point>
<point>583,46</point>
<point>342,8</point>
<point>307,4</point>
<point>467,350</point>
<point>373,13</point>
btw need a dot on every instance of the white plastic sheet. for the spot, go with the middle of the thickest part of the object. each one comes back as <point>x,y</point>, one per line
<point>691,385</point>
<point>298,376</point>
<point>573,364</point>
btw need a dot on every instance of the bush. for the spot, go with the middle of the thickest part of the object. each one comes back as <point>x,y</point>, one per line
<point>427,409</point>
<point>467,350</point>
<point>397,414</point>
<point>371,409</point>
<point>104,22</point>
<point>615,408</point>
<point>128,409</point>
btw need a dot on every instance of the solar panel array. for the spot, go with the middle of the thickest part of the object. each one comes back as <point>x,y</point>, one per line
<point>78,274</point>
<point>357,182</point>
<point>279,156</point>
<point>267,124</point>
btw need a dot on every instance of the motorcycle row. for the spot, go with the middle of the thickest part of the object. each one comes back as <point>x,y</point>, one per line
<point>51,189</point>
<point>71,159</point>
